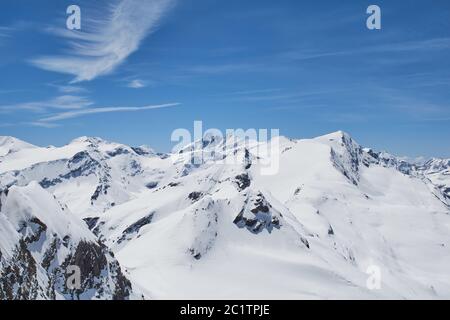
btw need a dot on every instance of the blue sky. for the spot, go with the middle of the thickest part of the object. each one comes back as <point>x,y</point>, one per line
<point>139,69</point>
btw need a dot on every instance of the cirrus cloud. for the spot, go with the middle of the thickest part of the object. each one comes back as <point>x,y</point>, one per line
<point>61,102</point>
<point>85,112</point>
<point>107,41</point>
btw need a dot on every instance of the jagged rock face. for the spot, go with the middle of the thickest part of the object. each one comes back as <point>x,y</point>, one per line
<point>195,196</point>
<point>20,281</point>
<point>18,276</point>
<point>257,215</point>
<point>135,227</point>
<point>243,181</point>
<point>446,191</point>
<point>143,151</point>
<point>95,260</point>
<point>46,243</point>
<point>346,155</point>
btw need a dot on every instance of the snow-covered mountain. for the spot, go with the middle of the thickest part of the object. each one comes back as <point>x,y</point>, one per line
<point>89,175</point>
<point>40,239</point>
<point>222,229</point>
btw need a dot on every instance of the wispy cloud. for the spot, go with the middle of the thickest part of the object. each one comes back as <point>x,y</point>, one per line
<point>47,125</point>
<point>105,43</point>
<point>291,96</point>
<point>137,84</point>
<point>61,102</point>
<point>18,25</point>
<point>225,68</point>
<point>421,45</point>
<point>256,91</point>
<point>346,117</point>
<point>5,31</point>
<point>85,112</point>
<point>68,89</point>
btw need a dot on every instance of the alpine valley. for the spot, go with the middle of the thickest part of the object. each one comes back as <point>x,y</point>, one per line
<point>147,225</point>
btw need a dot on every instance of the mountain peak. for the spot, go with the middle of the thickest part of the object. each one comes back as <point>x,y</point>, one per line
<point>5,139</point>
<point>337,140</point>
<point>10,144</point>
<point>337,135</point>
<point>86,139</point>
<point>9,139</point>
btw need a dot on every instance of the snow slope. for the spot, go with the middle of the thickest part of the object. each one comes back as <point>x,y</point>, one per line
<point>222,229</point>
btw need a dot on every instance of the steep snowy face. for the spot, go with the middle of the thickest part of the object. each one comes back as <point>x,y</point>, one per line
<point>346,154</point>
<point>41,241</point>
<point>10,145</point>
